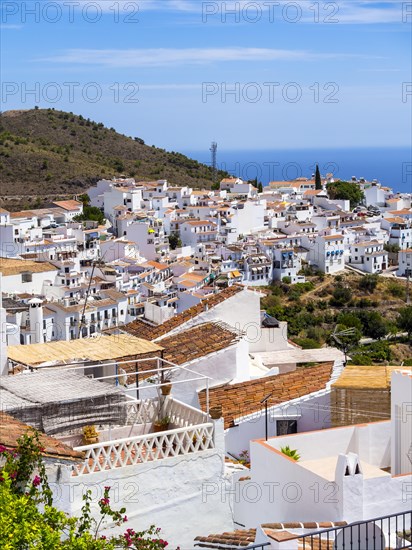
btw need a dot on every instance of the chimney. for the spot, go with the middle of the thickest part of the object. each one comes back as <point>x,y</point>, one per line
<point>36,321</point>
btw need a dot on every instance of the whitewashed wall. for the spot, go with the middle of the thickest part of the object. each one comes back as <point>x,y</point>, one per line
<point>170,493</point>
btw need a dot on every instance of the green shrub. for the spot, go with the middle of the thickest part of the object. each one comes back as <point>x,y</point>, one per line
<point>307,343</point>
<point>291,453</point>
<point>341,296</point>
<point>359,359</point>
<point>368,283</point>
<point>397,290</point>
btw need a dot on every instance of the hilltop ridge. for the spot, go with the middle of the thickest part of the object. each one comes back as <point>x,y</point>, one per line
<point>45,152</point>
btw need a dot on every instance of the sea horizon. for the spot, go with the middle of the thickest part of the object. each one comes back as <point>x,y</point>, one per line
<point>391,166</point>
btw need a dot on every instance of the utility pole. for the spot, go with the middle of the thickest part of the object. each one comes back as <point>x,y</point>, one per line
<point>265,402</point>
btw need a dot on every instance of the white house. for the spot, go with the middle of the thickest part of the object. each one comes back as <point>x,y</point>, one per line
<point>25,276</point>
<point>368,256</point>
<point>194,232</point>
<point>405,263</point>
<point>326,252</point>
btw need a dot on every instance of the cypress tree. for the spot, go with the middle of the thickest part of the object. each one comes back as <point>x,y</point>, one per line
<point>318,179</point>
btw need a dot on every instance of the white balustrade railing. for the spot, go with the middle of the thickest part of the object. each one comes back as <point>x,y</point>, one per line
<point>145,448</point>
<point>144,411</point>
<point>182,415</point>
<point>148,410</point>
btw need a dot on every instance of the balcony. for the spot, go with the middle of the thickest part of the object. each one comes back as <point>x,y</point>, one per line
<point>191,433</point>
<point>138,439</point>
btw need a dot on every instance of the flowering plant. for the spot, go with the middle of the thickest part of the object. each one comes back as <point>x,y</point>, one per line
<point>28,518</point>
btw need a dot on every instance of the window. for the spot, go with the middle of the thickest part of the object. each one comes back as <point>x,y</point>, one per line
<point>44,324</point>
<point>26,277</point>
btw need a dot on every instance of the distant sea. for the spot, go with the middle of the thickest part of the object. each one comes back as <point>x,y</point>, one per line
<point>390,166</point>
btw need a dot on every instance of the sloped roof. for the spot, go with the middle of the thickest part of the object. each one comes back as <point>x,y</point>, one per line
<point>68,205</point>
<point>198,341</point>
<point>12,429</point>
<point>244,398</point>
<point>147,331</point>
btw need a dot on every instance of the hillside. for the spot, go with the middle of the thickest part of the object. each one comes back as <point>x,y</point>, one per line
<point>369,304</point>
<point>44,152</point>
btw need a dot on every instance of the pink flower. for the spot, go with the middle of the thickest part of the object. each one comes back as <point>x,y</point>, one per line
<point>125,519</point>
<point>105,501</point>
<point>36,481</point>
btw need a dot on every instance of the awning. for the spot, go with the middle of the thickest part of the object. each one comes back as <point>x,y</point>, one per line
<point>104,348</point>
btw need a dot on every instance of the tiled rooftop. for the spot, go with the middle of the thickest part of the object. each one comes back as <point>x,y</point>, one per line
<point>147,331</point>
<point>11,429</point>
<point>242,538</point>
<point>198,342</point>
<point>244,398</point>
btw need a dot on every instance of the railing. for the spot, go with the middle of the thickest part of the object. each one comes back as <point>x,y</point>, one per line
<point>392,531</point>
<point>180,415</point>
<point>144,411</point>
<point>145,448</point>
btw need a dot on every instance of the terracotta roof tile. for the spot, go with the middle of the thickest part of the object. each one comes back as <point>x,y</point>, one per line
<point>144,330</point>
<point>11,429</point>
<point>244,398</point>
<point>198,342</point>
<point>68,205</point>
<point>242,538</point>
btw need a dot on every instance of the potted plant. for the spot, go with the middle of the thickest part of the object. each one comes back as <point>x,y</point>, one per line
<point>161,424</point>
<point>165,380</point>
<point>166,389</point>
<point>291,453</point>
<point>90,435</point>
<point>215,412</point>
<point>244,458</point>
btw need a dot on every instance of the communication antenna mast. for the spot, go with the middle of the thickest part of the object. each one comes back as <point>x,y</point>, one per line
<point>213,150</point>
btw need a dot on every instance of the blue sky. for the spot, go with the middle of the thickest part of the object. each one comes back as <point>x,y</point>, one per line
<point>304,74</point>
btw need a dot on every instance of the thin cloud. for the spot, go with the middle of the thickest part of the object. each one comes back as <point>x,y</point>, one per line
<point>188,56</point>
<point>10,27</point>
